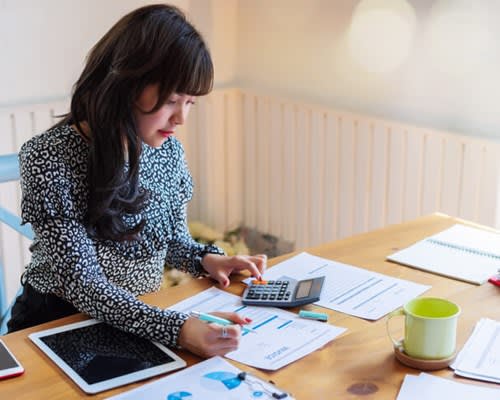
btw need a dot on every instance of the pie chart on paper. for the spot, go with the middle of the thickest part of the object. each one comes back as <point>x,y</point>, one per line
<point>220,381</point>
<point>180,396</point>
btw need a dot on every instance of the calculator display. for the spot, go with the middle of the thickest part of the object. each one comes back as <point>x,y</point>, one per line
<point>304,289</point>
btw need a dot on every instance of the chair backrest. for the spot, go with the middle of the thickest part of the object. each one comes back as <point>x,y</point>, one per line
<point>9,171</point>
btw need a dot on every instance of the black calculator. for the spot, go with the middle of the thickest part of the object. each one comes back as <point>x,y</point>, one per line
<point>283,292</point>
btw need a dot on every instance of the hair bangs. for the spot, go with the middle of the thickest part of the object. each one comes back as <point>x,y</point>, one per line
<point>197,76</point>
<point>193,67</point>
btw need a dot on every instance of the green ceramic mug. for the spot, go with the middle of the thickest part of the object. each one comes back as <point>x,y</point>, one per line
<point>430,328</point>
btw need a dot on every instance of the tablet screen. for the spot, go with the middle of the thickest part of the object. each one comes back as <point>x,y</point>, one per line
<point>100,355</point>
<point>100,352</point>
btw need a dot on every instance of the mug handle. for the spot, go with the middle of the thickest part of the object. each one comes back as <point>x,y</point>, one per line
<point>397,343</point>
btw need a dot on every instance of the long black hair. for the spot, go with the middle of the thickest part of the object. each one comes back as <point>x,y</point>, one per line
<point>152,45</point>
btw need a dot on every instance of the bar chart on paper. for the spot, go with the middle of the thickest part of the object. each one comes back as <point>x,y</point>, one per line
<point>281,336</point>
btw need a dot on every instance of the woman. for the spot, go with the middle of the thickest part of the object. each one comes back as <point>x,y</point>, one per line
<point>106,189</point>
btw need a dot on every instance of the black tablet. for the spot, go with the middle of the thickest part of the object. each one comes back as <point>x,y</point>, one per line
<point>98,357</point>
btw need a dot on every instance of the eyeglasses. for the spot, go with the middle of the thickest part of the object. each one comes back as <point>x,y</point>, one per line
<point>259,389</point>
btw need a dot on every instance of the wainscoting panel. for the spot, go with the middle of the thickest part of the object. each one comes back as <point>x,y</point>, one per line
<point>302,172</point>
<point>17,125</point>
<point>328,174</point>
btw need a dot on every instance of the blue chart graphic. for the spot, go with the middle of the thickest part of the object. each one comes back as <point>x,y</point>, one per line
<point>180,396</point>
<point>221,380</point>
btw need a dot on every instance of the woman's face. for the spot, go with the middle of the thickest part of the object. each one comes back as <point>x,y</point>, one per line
<point>157,127</point>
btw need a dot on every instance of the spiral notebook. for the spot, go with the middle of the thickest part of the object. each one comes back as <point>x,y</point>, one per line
<point>460,252</point>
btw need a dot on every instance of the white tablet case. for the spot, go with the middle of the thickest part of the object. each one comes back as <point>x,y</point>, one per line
<point>102,385</point>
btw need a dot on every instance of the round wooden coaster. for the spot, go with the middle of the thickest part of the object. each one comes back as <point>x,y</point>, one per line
<point>419,363</point>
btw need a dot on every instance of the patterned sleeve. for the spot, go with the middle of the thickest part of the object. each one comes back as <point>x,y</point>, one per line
<point>184,252</point>
<point>52,207</point>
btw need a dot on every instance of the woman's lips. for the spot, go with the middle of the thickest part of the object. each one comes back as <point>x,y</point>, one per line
<point>166,134</point>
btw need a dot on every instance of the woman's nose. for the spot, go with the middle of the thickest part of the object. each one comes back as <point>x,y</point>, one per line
<point>180,115</point>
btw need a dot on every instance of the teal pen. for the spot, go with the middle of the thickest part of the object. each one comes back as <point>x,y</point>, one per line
<point>217,320</point>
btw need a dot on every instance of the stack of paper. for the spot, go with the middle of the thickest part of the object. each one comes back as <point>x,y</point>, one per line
<point>480,357</point>
<point>429,387</point>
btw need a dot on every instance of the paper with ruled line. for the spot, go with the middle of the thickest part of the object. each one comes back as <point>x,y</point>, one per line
<point>348,289</point>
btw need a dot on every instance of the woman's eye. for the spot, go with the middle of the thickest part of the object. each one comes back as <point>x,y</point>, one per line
<point>175,101</point>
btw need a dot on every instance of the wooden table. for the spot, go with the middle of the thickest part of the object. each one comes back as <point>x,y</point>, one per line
<point>358,365</point>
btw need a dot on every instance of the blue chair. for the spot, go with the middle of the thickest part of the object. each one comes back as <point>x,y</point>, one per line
<point>9,171</point>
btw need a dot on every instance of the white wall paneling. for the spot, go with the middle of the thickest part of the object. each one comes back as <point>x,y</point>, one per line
<point>302,172</point>
<point>16,126</point>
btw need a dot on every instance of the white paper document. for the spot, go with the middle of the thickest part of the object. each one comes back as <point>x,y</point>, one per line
<point>348,289</point>
<point>281,336</point>
<point>214,378</point>
<point>480,356</point>
<point>430,387</point>
<point>460,252</point>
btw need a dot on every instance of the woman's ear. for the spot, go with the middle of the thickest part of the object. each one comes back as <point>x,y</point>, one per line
<point>147,99</point>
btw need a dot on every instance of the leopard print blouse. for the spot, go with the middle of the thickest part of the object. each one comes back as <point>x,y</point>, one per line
<point>102,278</point>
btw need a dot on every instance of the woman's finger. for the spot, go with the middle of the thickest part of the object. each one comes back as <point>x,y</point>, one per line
<point>260,261</point>
<point>236,318</point>
<point>244,262</point>
<point>221,277</point>
<point>221,351</point>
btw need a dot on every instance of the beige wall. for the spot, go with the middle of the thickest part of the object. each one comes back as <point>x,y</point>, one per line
<point>218,22</point>
<point>299,48</point>
<point>43,43</point>
<point>296,48</point>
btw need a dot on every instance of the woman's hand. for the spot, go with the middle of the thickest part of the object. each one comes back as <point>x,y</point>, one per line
<point>220,267</point>
<point>207,339</point>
